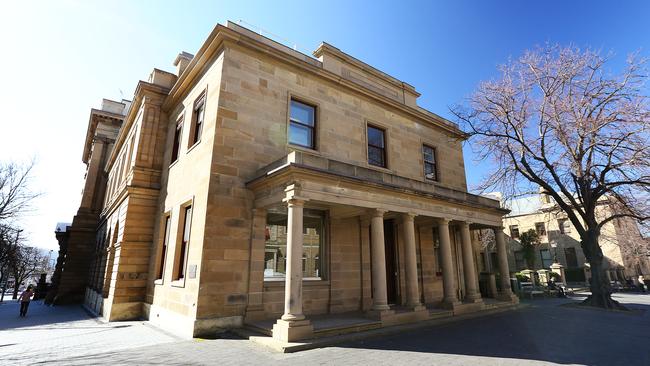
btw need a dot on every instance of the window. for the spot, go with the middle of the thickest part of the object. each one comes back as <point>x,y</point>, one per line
<point>376,147</point>
<point>540,228</point>
<point>185,240</point>
<point>198,115</point>
<point>520,263</point>
<point>177,140</point>
<point>571,257</point>
<point>275,251</point>
<point>302,120</point>
<point>545,254</point>
<point>436,252</point>
<point>163,255</point>
<point>565,226</point>
<point>430,166</point>
<point>514,231</point>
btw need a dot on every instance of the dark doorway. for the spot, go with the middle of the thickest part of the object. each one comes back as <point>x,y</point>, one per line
<point>391,261</point>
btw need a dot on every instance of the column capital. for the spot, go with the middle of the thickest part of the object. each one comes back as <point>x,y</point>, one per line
<point>295,200</point>
<point>498,228</point>
<point>378,212</point>
<point>466,223</point>
<point>443,220</point>
<point>410,216</point>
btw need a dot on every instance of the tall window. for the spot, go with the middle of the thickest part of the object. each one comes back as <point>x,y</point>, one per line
<point>275,251</point>
<point>564,225</point>
<point>430,166</point>
<point>177,140</point>
<point>514,231</point>
<point>302,120</point>
<point>376,146</point>
<point>198,115</point>
<point>571,257</point>
<point>540,228</point>
<point>520,263</point>
<point>163,255</point>
<point>185,241</point>
<point>545,254</point>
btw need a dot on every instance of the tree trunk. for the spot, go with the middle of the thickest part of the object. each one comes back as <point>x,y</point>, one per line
<point>601,291</point>
<point>16,286</point>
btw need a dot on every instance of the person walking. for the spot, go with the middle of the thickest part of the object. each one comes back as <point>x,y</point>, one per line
<point>24,299</point>
<point>641,283</point>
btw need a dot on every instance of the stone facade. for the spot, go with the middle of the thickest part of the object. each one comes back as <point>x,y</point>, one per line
<point>618,240</point>
<point>212,215</point>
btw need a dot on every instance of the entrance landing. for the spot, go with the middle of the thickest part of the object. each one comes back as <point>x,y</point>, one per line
<point>330,329</point>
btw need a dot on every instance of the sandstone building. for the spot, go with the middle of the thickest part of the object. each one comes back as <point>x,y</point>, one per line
<point>257,183</point>
<point>624,248</point>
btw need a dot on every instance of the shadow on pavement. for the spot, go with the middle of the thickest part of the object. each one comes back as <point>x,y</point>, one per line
<point>39,315</point>
<point>545,331</point>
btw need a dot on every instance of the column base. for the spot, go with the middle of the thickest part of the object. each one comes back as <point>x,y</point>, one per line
<point>291,331</point>
<point>473,298</point>
<point>380,314</point>
<point>416,307</point>
<point>450,304</point>
<point>507,296</point>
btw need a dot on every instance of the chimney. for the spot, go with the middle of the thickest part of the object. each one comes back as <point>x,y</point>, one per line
<point>182,60</point>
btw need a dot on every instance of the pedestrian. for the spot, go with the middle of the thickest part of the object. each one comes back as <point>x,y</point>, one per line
<point>641,283</point>
<point>24,299</point>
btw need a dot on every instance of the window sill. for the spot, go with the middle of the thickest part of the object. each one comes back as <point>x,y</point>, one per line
<point>178,283</point>
<point>173,163</point>
<point>379,168</point>
<point>303,148</point>
<point>279,282</point>
<point>192,147</point>
<point>158,282</point>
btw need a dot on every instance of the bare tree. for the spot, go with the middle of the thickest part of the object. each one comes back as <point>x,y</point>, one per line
<point>557,119</point>
<point>15,194</point>
<point>26,262</point>
<point>8,239</point>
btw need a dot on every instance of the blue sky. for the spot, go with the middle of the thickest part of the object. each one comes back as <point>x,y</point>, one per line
<point>60,58</point>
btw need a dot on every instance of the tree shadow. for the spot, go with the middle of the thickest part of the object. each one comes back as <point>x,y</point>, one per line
<point>559,334</point>
<point>39,315</point>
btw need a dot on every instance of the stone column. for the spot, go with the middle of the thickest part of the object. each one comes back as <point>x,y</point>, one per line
<point>408,234</point>
<point>379,292</point>
<point>471,280</point>
<point>504,271</point>
<point>448,280</point>
<point>293,325</point>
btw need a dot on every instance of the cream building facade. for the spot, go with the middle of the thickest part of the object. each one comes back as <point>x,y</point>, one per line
<point>623,245</point>
<point>260,184</point>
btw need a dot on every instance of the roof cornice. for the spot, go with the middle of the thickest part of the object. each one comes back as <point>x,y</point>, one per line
<point>221,34</point>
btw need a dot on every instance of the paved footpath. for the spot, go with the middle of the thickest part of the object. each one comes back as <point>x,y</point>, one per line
<point>544,333</point>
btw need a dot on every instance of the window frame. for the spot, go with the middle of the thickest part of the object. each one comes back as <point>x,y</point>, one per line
<point>164,248</point>
<point>516,227</point>
<point>543,226</point>
<point>196,129</point>
<point>314,128</point>
<point>177,140</point>
<point>384,149</point>
<point>434,163</point>
<point>181,250</point>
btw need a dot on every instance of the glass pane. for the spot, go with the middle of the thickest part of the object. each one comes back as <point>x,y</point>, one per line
<point>300,135</point>
<point>428,154</point>
<point>376,156</point>
<point>302,113</point>
<point>188,220</point>
<point>375,137</point>
<point>430,171</point>
<point>275,251</point>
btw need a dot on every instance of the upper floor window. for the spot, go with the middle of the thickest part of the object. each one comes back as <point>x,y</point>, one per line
<point>564,225</point>
<point>302,120</point>
<point>430,166</point>
<point>177,140</point>
<point>197,119</point>
<point>514,231</point>
<point>376,146</point>
<point>540,228</point>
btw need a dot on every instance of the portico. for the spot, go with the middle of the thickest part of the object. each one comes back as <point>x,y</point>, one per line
<point>382,227</point>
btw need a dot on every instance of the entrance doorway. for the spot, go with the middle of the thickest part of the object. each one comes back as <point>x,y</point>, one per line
<point>391,262</point>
